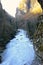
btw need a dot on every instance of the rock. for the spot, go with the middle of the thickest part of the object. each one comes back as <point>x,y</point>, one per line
<point>38,39</point>
<point>7,27</point>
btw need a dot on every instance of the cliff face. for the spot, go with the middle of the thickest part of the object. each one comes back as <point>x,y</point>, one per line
<point>7,27</point>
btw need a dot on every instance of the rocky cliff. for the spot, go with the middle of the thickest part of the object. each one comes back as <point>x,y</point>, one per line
<point>7,27</point>
<point>33,26</point>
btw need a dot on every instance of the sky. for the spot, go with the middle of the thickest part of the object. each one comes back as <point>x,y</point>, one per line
<point>10,6</point>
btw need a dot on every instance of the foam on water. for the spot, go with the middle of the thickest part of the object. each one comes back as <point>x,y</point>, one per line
<point>19,51</point>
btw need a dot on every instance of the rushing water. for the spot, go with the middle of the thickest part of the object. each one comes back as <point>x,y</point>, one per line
<point>19,51</point>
